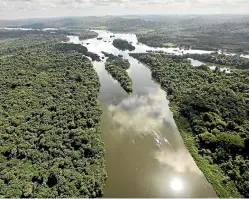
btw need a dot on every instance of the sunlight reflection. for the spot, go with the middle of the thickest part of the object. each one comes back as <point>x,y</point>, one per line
<point>176,184</point>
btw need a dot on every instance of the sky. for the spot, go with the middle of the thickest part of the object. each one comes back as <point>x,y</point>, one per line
<point>14,9</point>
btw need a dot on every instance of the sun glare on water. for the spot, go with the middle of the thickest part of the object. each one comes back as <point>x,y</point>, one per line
<point>176,184</point>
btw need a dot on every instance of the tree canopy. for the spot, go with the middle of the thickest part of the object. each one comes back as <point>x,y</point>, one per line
<point>123,45</point>
<point>234,61</point>
<point>50,144</point>
<point>117,66</point>
<point>215,108</point>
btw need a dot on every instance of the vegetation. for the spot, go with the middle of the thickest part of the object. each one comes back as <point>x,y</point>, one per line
<point>121,24</point>
<point>169,45</point>
<point>12,41</point>
<point>14,45</point>
<point>229,60</point>
<point>50,144</point>
<point>213,32</point>
<point>25,42</point>
<point>123,45</point>
<point>85,34</point>
<point>65,47</point>
<point>100,28</point>
<point>200,32</point>
<point>117,67</point>
<point>204,37</point>
<point>5,34</point>
<point>34,26</point>
<point>211,112</point>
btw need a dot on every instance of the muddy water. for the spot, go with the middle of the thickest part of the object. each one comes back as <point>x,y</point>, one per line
<point>199,63</point>
<point>146,156</point>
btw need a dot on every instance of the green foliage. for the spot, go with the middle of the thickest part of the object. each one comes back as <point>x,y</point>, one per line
<point>208,140</point>
<point>169,45</point>
<point>128,25</point>
<point>229,33</point>
<point>231,142</point>
<point>34,26</point>
<point>123,45</point>
<point>12,41</point>
<point>229,60</point>
<point>117,67</point>
<point>22,43</point>
<point>67,47</point>
<point>50,144</point>
<point>222,184</point>
<point>215,107</point>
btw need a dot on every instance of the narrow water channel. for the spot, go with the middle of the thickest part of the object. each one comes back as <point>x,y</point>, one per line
<point>145,154</point>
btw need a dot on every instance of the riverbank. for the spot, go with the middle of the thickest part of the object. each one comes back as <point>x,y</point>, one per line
<point>204,120</point>
<point>118,67</point>
<point>141,127</point>
<point>213,174</point>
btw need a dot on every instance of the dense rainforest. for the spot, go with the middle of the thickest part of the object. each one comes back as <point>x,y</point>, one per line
<point>123,45</point>
<point>213,32</point>
<point>234,61</point>
<point>10,45</point>
<point>49,124</point>
<point>66,47</point>
<point>229,33</point>
<point>50,144</point>
<point>211,112</point>
<point>117,66</point>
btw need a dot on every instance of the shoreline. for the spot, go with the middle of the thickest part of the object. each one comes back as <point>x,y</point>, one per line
<point>222,185</point>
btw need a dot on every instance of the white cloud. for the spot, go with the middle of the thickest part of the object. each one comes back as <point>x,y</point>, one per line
<point>16,8</point>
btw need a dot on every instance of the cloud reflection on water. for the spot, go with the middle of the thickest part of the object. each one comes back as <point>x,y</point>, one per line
<point>141,134</point>
<point>180,160</point>
<point>142,114</point>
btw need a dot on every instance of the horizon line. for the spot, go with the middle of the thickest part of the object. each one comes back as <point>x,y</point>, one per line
<point>99,16</point>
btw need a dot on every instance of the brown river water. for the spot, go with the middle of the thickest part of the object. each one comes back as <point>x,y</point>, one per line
<point>145,153</point>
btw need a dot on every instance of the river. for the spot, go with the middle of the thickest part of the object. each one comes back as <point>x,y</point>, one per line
<point>145,154</point>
